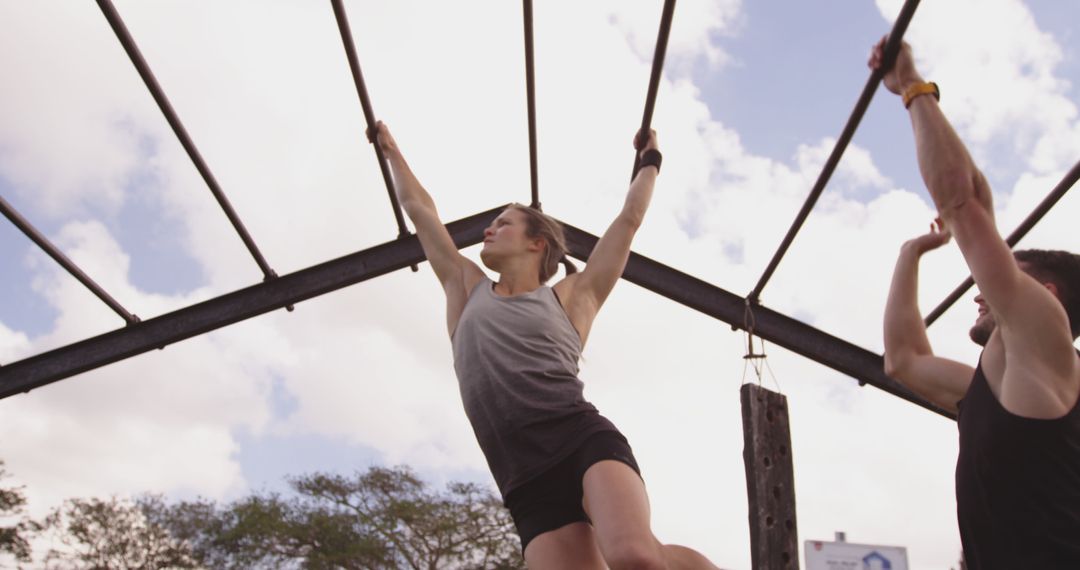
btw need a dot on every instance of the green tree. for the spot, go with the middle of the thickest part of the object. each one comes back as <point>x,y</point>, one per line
<point>113,534</point>
<point>463,527</point>
<point>13,533</point>
<point>376,520</point>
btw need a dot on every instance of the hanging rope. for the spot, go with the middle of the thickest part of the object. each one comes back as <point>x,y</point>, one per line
<point>754,358</point>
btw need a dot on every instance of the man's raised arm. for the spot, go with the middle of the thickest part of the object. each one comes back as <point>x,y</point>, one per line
<point>1041,374</point>
<point>908,356</point>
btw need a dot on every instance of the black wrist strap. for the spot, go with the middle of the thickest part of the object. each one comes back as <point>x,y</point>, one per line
<point>651,157</point>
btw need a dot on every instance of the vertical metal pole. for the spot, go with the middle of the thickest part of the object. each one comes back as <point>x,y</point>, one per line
<point>530,95</point>
<point>369,114</point>
<point>654,77</point>
<point>770,479</point>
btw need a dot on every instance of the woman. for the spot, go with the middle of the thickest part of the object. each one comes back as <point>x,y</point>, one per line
<point>565,472</point>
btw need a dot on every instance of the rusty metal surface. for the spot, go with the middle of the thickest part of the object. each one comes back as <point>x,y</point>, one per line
<point>777,328</point>
<point>158,332</point>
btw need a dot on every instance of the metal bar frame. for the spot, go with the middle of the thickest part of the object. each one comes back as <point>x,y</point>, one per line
<point>892,48</point>
<point>369,115</point>
<point>659,55</point>
<point>38,238</point>
<point>777,328</point>
<point>794,335</point>
<point>166,107</point>
<point>530,100</point>
<point>784,331</point>
<point>1018,234</point>
<point>170,328</point>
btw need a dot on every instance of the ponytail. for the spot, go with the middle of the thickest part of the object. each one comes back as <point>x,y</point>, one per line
<point>568,265</point>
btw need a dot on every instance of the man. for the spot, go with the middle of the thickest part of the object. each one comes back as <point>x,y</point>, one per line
<point>1018,470</point>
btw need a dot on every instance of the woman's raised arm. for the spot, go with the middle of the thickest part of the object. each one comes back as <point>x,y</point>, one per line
<point>586,292</point>
<point>455,272</point>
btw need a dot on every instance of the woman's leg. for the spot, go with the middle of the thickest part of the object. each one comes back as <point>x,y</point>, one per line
<point>570,546</point>
<point>616,502</point>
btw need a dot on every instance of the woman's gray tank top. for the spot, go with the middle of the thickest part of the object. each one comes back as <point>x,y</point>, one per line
<point>516,360</point>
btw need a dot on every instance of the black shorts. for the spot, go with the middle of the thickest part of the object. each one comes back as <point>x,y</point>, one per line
<point>552,499</point>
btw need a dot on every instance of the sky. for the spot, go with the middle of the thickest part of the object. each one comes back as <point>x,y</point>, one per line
<point>752,99</point>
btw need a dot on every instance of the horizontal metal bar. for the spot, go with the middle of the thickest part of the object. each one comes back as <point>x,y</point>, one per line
<point>659,54</point>
<point>60,363</point>
<point>892,48</point>
<point>166,107</point>
<point>158,332</point>
<point>1014,238</point>
<point>779,329</point>
<point>44,243</point>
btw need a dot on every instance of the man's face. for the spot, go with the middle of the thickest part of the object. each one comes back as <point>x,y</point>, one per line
<point>984,324</point>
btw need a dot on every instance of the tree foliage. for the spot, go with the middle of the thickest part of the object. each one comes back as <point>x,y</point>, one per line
<point>115,534</point>
<point>375,520</point>
<point>13,533</point>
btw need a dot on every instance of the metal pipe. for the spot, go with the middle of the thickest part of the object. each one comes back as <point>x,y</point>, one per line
<point>163,330</point>
<point>43,242</point>
<point>365,104</point>
<point>152,84</point>
<point>654,77</point>
<point>530,95</point>
<point>1033,218</point>
<point>892,48</point>
<point>777,328</point>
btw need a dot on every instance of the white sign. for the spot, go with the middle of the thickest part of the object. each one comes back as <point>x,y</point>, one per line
<point>849,556</point>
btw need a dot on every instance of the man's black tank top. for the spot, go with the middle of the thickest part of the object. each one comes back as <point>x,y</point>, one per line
<point>1017,485</point>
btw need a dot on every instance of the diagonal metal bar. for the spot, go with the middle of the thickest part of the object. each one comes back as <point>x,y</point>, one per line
<point>44,243</point>
<point>88,354</point>
<point>530,96</point>
<point>1014,238</point>
<point>779,329</point>
<point>67,361</point>
<point>166,107</point>
<point>369,114</point>
<point>654,77</point>
<point>892,48</point>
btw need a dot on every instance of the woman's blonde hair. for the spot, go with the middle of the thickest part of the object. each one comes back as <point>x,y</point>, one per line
<point>541,225</point>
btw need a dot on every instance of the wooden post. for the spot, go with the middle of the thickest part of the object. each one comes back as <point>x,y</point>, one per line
<point>770,479</point>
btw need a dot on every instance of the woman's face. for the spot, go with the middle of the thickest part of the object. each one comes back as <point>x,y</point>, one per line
<point>506,238</point>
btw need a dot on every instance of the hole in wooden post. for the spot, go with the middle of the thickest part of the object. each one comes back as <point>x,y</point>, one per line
<point>768,462</point>
<point>769,521</point>
<point>789,525</point>
<point>783,450</point>
<point>785,557</point>
<point>776,491</point>
<point>768,415</point>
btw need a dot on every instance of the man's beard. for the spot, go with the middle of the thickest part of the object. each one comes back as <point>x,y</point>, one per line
<point>982,329</point>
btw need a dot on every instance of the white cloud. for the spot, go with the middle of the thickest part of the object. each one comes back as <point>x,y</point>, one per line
<point>271,105</point>
<point>12,344</point>
<point>69,95</point>
<point>998,78</point>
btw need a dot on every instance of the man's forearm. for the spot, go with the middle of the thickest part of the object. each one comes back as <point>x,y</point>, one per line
<point>947,168</point>
<point>905,333</point>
